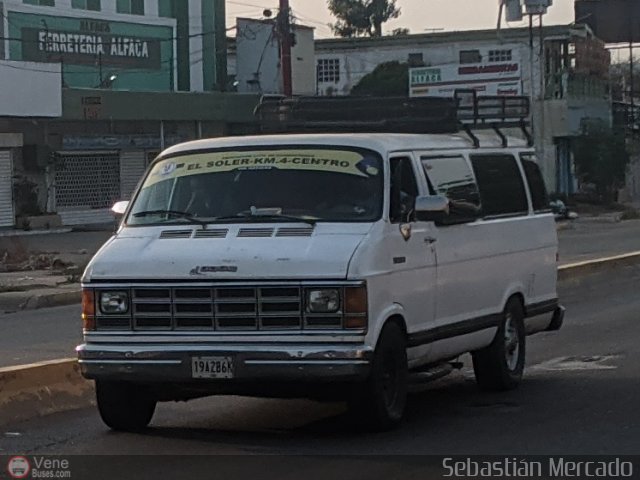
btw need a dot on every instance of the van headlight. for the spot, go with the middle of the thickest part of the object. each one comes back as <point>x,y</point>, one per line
<point>323,300</point>
<point>114,303</point>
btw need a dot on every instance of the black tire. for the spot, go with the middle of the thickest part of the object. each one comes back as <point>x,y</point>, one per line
<point>379,404</point>
<point>124,406</point>
<point>499,366</point>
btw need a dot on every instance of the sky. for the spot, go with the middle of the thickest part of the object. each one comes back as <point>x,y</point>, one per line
<point>419,16</point>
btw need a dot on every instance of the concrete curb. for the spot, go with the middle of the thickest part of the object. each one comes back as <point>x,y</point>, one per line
<point>34,299</point>
<point>53,300</point>
<point>573,270</point>
<point>38,389</point>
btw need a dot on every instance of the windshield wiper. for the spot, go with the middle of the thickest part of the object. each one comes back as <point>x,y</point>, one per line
<point>278,216</point>
<point>172,213</point>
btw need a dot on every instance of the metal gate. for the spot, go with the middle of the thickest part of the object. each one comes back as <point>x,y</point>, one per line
<point>132,167</point>
<point>7,218</point>
<point>87,180</point>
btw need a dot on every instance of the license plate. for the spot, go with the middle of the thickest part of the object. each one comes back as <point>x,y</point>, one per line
<point>212,367</point>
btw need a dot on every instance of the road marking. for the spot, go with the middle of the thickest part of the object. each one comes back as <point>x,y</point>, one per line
<point>596,362</point>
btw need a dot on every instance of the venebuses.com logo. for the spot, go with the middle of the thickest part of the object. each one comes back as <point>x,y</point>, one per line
<point>18,467</point>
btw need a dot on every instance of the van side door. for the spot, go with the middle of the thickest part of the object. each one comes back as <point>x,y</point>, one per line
<point>410,246</point>
<point>450,175</point>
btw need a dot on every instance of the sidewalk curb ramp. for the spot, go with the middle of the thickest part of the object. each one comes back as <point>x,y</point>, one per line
<point>38,389</point>
<point>43,388</point>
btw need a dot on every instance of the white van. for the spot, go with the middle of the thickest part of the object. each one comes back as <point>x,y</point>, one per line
<point>343,266</point>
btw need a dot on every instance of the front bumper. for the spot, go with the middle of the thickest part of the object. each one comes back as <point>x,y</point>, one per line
<point>172,363</point>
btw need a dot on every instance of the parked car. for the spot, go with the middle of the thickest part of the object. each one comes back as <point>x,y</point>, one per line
<point>339,266</point>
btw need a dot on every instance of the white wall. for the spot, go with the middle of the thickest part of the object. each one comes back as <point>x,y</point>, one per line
<point>257,57</point>
<point>30,89</point>
<point>358,62</point>
<point>257,60</point>
<point>303,63</point>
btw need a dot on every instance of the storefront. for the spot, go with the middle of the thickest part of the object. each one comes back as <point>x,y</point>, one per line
<point>96,53</point>
<point>92,172</point>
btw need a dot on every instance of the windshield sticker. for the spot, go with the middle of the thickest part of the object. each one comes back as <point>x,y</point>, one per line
<point>336,161</point>
<point>168,169</point>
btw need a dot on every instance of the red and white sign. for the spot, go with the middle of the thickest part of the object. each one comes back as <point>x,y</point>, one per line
<point>18,467</point>
<point>486,78</point>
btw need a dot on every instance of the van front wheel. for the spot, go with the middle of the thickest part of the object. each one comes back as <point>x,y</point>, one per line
<point>500,365</point>
<point>379,404</point>
<point>124,406</point>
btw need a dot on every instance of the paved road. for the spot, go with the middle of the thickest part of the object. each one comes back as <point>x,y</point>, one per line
<point>37,335</point>
<point>588,240</point>
<point>580,396</point>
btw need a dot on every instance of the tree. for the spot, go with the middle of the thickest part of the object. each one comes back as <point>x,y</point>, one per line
<point>388,79</point>
<point>357,18</point>
<point>601,158</point>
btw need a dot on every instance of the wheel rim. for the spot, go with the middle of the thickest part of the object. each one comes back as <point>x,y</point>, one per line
<point>390,379</point>
<point>511,343</point>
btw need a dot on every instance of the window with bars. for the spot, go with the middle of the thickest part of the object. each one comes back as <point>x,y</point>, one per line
<point>500,55</point>
<point>133,7</point>
<point>328,70</point>
<point>93,5</point>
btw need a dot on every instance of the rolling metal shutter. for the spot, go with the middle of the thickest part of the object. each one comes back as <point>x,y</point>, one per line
<point>132,167</point>
<point>90,180</point>
<point>7,216</point>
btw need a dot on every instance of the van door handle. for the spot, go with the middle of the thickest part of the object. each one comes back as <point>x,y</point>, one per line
<point>430,240</point>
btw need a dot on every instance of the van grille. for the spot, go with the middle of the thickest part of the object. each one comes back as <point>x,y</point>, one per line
<point>228,308</point>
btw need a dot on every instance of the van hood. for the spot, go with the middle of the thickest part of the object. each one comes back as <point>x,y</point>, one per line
<point>228,252</point>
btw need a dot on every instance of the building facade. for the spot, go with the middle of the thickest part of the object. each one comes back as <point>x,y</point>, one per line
<point>150,45</point>
<point>564,71</point>
<point>93,90</point>
<point>256,65</point>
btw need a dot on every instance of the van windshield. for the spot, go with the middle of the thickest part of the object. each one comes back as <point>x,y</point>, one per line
<point>313,184</point>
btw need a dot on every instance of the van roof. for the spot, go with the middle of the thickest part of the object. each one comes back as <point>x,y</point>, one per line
<point>382,142</point>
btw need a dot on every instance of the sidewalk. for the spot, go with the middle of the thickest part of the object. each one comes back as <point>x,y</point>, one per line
<point>49,267</point>
<point>58,259</point>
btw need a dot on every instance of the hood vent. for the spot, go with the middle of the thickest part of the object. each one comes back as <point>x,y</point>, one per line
<point>176,234</point>
<point>294,232</point>
<point>215,233</point>
<point>256,232</point>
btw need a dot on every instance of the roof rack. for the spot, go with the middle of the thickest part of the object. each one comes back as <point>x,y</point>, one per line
<point>478,112</point>
<point>465,111</point>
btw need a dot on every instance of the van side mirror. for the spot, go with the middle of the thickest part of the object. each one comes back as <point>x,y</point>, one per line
<point>432,208</point>
<point>119,208</point>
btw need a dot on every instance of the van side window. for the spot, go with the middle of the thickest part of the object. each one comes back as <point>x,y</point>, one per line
<point>501,185</point>
<point>453,178</point>
<point>404,190</point>
<point>539,196</point>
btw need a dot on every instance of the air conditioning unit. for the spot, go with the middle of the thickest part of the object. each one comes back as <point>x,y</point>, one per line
<point>537,7</point>
<point>513,10</point>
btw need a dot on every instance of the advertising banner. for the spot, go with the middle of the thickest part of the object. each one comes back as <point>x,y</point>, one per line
<point>503,78</point>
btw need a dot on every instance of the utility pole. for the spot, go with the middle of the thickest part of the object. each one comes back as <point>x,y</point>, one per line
<point>284,29</point>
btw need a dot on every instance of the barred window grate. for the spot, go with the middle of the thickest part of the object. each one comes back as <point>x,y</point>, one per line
<point>328,70</point>
<point>87,180</point>
<point>500,55</point>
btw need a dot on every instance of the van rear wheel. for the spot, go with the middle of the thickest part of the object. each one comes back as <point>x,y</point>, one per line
<point>124,406</point>
<point>499,366</point>
<point>379,404</point>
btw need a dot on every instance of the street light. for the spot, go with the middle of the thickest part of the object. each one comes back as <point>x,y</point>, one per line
<point>108,82</point>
